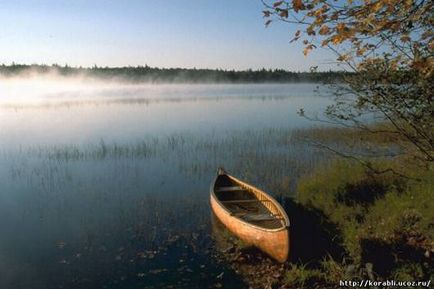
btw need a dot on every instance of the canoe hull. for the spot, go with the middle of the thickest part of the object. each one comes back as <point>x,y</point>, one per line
<point>275,243</point>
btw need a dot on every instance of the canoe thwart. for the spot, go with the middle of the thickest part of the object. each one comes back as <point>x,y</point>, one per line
<point>244,201</point>
<point>258,217</point>
<point>229,189</point>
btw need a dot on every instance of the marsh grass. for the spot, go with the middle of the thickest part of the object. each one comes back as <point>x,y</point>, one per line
<point>273,158</point>
<point>109,202</point>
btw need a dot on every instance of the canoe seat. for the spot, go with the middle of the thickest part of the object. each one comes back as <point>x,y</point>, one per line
<point>258,217</point>
<point>251,217</point>
<point>229,189</point>
<point>241,201</point>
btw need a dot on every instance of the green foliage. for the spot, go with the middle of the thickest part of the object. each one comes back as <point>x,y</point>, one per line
<point>335,271</point>
<point>327,275</point>
<point>299,276</point>
<point>385,220</point>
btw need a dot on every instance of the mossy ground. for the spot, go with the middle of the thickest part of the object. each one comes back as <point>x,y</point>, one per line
<point>382,224</point>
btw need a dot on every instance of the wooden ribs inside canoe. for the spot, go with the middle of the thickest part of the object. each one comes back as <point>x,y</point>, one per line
<point>251,214</point>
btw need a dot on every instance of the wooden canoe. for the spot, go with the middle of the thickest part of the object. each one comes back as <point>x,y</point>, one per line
<point>251,214</point>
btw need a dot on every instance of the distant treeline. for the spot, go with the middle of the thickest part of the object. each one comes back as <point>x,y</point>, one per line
<point>180,75</point>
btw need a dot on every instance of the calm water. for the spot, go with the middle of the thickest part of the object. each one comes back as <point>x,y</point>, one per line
<point>106,185</point>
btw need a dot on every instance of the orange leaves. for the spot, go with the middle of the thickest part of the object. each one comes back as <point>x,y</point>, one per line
<point>377,6</point>
<point>360,30</point>
<point>423,65</point>
<point>334,16</point>
<point>317,13</point>
<point>324,30</point>
<point>360,52</point>
<point>408,3</point>
<point>344,57</point>
<point>340,27</point>
<point>337,39</point>
<point>297,5</point>
<point>284,13</point>
<point>405,38</point>
<point>308,48</point>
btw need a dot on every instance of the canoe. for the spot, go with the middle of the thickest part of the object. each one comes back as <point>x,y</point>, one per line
<point>251,214</point>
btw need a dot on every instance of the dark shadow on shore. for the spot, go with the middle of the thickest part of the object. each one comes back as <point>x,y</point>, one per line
<point>404,252</point>
<point>313,237</point>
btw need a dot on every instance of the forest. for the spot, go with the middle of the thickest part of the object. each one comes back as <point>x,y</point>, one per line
<point>178,75</point>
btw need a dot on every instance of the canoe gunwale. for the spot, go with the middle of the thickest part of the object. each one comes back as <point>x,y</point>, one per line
<point>269,198</point>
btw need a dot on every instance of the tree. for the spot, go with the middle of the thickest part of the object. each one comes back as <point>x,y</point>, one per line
<point>388,44</point>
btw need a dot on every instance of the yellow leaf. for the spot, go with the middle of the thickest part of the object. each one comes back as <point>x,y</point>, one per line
<point>377,6</point>
<point>337,39</point>
<point>307,49</point>
<point>324,30</point>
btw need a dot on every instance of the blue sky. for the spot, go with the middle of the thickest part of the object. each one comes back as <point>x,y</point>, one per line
<point>228,34</point>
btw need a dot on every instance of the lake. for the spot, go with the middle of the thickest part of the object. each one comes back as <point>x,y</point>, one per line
<point>106,185</point>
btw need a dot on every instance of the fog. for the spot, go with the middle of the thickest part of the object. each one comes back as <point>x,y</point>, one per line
<point>33,89</point>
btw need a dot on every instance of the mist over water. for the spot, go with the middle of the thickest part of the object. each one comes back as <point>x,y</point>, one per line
<point>56,110</point>
<point>105,184</point>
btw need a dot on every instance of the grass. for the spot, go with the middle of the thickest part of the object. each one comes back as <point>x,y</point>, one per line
<point>382,224</point>
<point>385,223</point>
<point>271,158</point>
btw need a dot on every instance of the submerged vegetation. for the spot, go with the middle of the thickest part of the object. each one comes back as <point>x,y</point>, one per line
<point>169,75</point>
